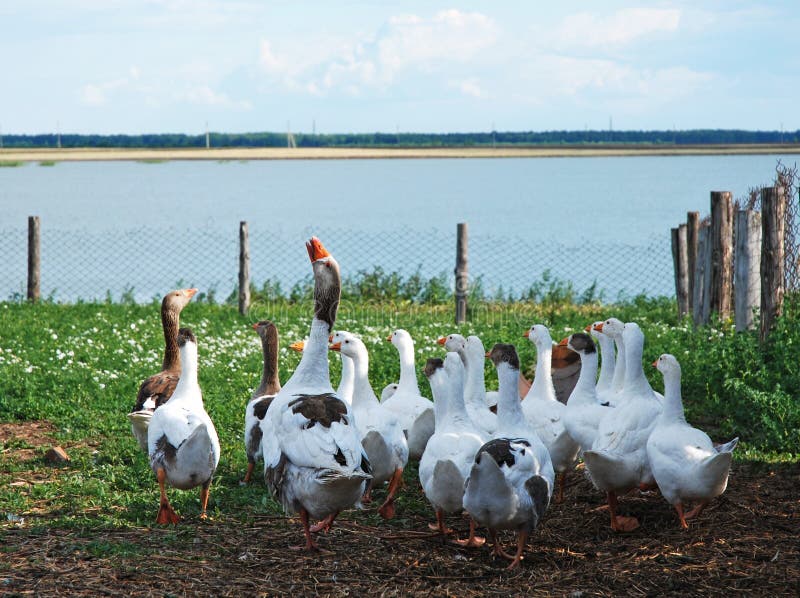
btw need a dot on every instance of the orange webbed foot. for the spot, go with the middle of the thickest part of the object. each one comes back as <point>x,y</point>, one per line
<point>167,515</point>
<point>624,524</point>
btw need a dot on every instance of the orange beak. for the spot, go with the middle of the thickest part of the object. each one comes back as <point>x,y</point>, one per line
<point>336,347</point>
<point>441,341</point>
<point>527,334</point>
<point>316,250</point>
<point>255,326</point>
<point>655,363</point>
<point>330,338</point>
<point>563,342</point>
<point>190,292</point>
<point>588,328</point>
<point>298,346</point>
<point>598,327</point>
<point>389,338</point>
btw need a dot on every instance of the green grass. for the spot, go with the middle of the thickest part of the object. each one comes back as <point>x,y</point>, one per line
<point>11,163</point>
<point>47,163</point>
<point>79,367</point>
<point>152,160</point>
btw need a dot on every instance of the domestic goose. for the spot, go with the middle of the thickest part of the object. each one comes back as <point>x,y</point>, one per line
<point>584,411</point>
<point>414,411</point>
<point>314,463</point>
<point>685,463</point>
<point>613,328</point>
<point>617,461</point>
<point>157,389</point>
<point>545,412</point>
<point>511,480</point>
<point>473,356</point>
<point>181,439</point>
<point>448,457</point>
<point>262,396</point>
<point>388,391</point>
<point>381,434</point>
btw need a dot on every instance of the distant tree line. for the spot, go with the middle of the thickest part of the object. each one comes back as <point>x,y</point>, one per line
<point>488,139</point>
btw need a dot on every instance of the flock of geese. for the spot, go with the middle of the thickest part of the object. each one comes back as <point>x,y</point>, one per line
<point>490,454</point>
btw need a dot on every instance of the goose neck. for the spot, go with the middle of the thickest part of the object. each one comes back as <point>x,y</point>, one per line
<point>635,381</point>
<point>408,373</point>
<point>170,322</point>
<point>608,364</point>
<point>313,366</point>
<point>542,386</point>
<point>673,403</point>
<point>509,407</point>
<point>585,387</point>
<point>363,395</point>
<point>618,382</point>
<point>347,382</point>
<point>270,381</point>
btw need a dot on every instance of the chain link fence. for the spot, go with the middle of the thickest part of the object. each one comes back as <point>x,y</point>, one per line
<point>141,264</point>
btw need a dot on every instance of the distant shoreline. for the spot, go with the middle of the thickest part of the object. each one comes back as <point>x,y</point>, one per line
<point>362,153</point>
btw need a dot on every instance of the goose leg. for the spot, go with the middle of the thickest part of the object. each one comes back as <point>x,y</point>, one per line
<point>440,526</point>
<point>310,545</point>
<point>204,499</point>
<point>387,508</point>
<point>166,514</point>
<point>522,539</point>
<point>561,478</point>
<point>325,525</point>
<point>248,474</point>
<point>679,509</point>
<point>472,541</point>
<point>497,550</point>
<point>366,498</point>
<point>697,510</point>
<point>618,522</point>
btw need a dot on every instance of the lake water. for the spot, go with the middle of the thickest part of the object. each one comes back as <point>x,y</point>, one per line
<point>148,226</point>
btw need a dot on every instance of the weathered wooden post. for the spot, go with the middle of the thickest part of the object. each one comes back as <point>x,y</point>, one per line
<point>692,229</point>
<point>680,260</point>
<point>747,275</point>
<point>34,259</point>
<point>721,252</point>
<point>773,218</point>
<point>244,269</point>
<point>702,277</point>
<point>462,283</point>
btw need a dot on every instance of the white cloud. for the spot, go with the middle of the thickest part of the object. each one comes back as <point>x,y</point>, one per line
<point>470,87</point>
<point>587,30</point>
<point>204,95</point>
<point>405,44</point>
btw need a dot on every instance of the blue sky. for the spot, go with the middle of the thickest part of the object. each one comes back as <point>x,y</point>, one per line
<point>137,66</point>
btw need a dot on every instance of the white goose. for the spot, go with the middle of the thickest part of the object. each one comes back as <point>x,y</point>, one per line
<point>686,464</point>
<point>314,463</point>
<point>262,397</point>
<point>511,480</point>
<point>584,410</point>
<point>545,413</point>
<point>347,379</point>
<point>157,389</point>
<point>617,461</point>
<point>388,391</point>
<point>414,411</point>
<point>181,439</point>
<point>381,434</point>
<point>473,356</point>
<point>447,459</point>
<point>608,362</point>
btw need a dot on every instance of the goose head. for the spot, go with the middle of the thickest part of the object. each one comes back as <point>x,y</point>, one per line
<point>327,281</point>
<point>176,300</point>
<point>667,364</point>
<point>348,345</point>
<point>503,353</point>
<point>437,376</point>
<point>453,343</point>
<point>581,343</point>
<point>266,330</point>
<point>388,391</point>
<point>187,343</point>
<point>632,334</point>
<point>595,329</point>
<point>539,335</point>
<point>474,346</point>
<point>611,327</point>
<point>400,337</point>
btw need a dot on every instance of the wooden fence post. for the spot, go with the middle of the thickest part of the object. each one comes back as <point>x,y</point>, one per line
<point>680,260</point>
<point>34,259</point>
<point>773,218</point>
<point>702,277</point>
<point>721,253</point>
<point>462,283</point>
<point>692,229</point>
<point>747,275</point>
<point>244,269</point>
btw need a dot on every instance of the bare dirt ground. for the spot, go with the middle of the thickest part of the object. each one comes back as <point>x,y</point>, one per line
<point>335,153</point>
<point>747,541</point>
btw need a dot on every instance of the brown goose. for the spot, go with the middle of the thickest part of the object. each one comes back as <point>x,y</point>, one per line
<point>262,396</point>
<point>157,389</point>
